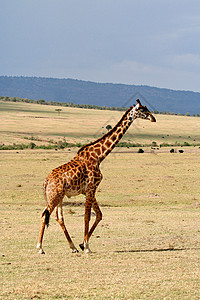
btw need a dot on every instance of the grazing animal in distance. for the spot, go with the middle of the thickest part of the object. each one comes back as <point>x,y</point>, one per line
<point>82,175</point>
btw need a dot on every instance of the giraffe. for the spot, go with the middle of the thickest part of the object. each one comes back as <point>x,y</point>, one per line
<point>82,175</point>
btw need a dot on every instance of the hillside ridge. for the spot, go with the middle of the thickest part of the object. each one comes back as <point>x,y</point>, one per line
<point>102,94</point>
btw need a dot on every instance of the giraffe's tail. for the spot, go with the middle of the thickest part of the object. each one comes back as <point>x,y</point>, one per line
<point>46,214</point>
<point>45,183</point>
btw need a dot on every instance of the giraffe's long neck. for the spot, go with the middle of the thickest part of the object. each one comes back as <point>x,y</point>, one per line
<point>99,149</point>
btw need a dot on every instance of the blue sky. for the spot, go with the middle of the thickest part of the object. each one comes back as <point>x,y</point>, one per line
<point>145,42</point>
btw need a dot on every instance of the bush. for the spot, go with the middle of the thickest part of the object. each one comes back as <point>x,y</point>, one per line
<point>165,145</point>
<point>154,144</point>
<point>140,150</point>
<point>32,145</point>
<point>187,144</point>
<point>128,144</point>
<point>108,127</point>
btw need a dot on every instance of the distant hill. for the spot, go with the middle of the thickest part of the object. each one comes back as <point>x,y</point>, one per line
<point>86,92</point>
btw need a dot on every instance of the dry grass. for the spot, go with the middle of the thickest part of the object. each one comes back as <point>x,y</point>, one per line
<point>147,245</point>
<point>20,120</point>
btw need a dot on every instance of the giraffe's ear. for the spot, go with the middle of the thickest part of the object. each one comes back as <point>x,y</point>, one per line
<point>138,101</point>
<point>136,106</point>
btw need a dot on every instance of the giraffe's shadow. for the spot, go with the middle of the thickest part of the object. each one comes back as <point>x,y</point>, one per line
<point>155,250</point>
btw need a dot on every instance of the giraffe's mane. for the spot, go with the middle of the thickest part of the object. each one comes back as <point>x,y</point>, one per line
<point>108,133</point>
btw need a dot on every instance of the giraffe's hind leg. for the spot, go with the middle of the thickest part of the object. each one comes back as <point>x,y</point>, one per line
<point>45,219</point>
<point>60,220</point>
<point>44,222</point>
<point>39,244</point>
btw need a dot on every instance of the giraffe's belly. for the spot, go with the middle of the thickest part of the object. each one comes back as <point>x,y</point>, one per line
<point>74,189</point>
<point>69,193</point>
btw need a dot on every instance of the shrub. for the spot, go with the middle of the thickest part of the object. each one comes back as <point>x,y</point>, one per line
<point>108,127</point>
<point>140,150</point>
<point>154,144</point>
<point>128,144</point>
<point>32,145</point>
<point>165,145</point>
<point>187,144</point>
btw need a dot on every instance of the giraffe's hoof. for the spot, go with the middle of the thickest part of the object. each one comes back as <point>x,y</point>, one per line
<point>87,251</point>
<point>39,247</point>
<point>81,246</point>
<point>75,251</point>
<point>41,251</point>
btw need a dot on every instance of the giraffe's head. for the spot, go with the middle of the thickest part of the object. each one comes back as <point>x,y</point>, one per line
<point>142,112</point>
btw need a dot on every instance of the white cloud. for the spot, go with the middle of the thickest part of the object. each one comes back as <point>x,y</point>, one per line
<point>167,76</point>
<point>185,60</point>
<point>134,67</point>
<point>135,42</point>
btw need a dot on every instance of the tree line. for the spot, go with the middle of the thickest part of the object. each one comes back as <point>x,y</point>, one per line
<point>85,106</point>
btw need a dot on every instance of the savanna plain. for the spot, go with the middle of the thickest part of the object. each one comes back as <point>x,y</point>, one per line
<point>148,244</point>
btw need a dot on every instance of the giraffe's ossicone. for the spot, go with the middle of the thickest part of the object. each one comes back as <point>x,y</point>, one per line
<point>82,175</point>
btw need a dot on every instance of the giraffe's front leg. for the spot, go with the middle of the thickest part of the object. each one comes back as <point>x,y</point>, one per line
<point>85,245</point>
<point>98,212</point>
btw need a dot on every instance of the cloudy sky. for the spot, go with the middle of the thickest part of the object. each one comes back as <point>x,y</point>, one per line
<point>145,42</point>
